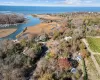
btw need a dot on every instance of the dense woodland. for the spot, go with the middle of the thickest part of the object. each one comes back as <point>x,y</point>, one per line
<point>50,58</point>
<point>11,18</point>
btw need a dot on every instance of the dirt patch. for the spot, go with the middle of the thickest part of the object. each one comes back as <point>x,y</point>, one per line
<point>91,70</point>
<point>6,32</point>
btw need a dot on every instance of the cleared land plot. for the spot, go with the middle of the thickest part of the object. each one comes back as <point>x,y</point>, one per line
<point>94,44</point>
<point>97,57</point>
<point>91,70</point>
<point>6,32</point>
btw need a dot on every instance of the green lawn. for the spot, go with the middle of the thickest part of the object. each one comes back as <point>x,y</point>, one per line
<point>94,44</point>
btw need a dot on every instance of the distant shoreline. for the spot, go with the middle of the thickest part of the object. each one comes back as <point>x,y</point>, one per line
<point>45,9</point>
<point>54,21</point>
<point>50,21</point>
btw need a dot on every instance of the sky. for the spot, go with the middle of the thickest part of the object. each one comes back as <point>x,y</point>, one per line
<point>76,3</point>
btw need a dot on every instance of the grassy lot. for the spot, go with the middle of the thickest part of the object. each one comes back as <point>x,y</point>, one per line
<point>97,57</point>
<point>91,70</point>
<point>94,44</point>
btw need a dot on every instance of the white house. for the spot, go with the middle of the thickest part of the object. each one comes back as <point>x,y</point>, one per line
<point>67,38</point>
<point>78,58</point>
<point>16,41</point>
<point>74,70</point>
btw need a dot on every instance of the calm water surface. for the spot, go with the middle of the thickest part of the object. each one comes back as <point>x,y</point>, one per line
<point>44,10</point>
<point>31,22</point>
<point>40,10</point>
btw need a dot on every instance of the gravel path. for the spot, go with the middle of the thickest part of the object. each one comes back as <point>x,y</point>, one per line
<point>92,55</point>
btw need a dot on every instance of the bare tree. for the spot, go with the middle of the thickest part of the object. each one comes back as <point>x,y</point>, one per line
<point>11,18</point>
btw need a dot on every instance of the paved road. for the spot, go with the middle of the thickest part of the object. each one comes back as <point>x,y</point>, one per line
<point>92,55</point>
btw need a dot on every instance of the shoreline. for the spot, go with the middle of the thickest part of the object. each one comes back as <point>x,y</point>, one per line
<point>44,26</point>
<point>50,21</point>
<point>6,32</point>
<point>7,25</point>
<point>39,29</point>
<point>17,29</point>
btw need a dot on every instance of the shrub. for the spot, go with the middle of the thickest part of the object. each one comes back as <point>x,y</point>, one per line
<point>66,76</point>
<point>17,74</point>
<point>84,70</point>
<point>46,76</point>
<point>84,53</point>
<point>82,46</point>
<point>77,75</point>
<point>56,35</point>
<point>50,55</point>
<point>74,63</point>
<point>23,42</point>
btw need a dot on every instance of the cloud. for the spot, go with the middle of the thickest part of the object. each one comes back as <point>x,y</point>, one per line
<point>69,2</point>
<point>75,2</point>
<point>46,1</point>
<point>88,1</point>
<point>53,3</point>
<point>7,3</point>
<point>27,0</point>
<point>43,1</point>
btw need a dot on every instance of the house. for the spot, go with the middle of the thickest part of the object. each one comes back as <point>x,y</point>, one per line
<point>78,58</point>
<point>29,52</point>
<point>26,48</point>
<point>67,38</point>
<point>16,41</point>
<point>73,70</point>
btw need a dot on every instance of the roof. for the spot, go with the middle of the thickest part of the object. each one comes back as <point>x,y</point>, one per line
<point>67,38</point>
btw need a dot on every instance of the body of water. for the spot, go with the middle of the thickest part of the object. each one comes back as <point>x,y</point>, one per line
<point>40,10</point>
<point>43,10</point>
<point>31,22</point>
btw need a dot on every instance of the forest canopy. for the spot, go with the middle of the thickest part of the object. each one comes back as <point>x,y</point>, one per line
<point>11,18</point>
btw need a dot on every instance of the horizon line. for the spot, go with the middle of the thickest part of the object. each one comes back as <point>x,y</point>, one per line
<point>49,6</point>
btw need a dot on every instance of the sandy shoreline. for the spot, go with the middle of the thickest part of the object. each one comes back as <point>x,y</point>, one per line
<point>6,32</point>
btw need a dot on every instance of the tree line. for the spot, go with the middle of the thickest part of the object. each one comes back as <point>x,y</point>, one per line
<point>11,18</point>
